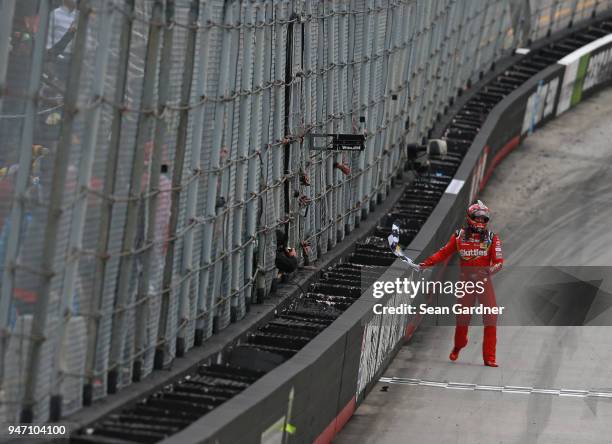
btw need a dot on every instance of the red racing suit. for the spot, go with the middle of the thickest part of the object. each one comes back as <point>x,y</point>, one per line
<point>481,256</point>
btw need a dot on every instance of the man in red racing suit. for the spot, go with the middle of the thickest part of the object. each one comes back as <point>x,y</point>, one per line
<point>481,256</point>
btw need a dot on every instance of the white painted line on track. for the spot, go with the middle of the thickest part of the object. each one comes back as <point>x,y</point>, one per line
<point>575,393</point>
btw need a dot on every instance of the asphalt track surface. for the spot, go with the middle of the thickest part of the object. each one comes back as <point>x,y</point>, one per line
<point>551,202</point>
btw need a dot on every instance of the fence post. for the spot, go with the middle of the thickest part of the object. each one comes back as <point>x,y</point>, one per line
<point>80,208</point>
<point>351,112</point>
<point>330,157</point>
<point>60,168</point>
<point>265,237</point>
<point>341,91</point>
<point>177,177</point>
<point>152,190</point>
<point>254,152</point>
<point>238,300</point>
<point>372,133</point>
<point>93,324</point>
<point>223,270</point>
<point>195,170</point>
<point>279,103</point>
<point>6,26</point>
<point>208,304</point>
<point>318,157</point>
<point>125,268</point>
<point>306,106</point>
<point>23,177</point>
<point>397,64</point>
<point>500,31</point>
<point>383,106</point>
<point>364,83</point>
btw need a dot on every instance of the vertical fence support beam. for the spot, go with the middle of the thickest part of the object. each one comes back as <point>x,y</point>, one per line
<point>58,182</point>
<point>351,114</point>
<point>362,115</point>
<point>372,117</point>
<point>383,108</point>
<point>401,84</point>
<point>445,62</point>
<point>93,323</point>
<point>80,208</point>
<point>143,295</point>
<point>342,83</point>
<point>141,302</point>
<point>397,87</point>
<point>461,32</point>
<point>403,127</point>
<point>406,65</point>
<point>294,124</point>
<point>413,62</point>
<point>289,102</point>
<point>432,63</point>
<point>177,189</point>
<point>210,215</point>
<point>396,62</point>
<point>467,23</point>
<point>125,267</point>
<point>416,74</point>
<point>264,235</point>
<point>487,56</point>
<point>223,269</point>
<point>279,103</point>
<point>22,181</point>
<point>6,26</point>
<point>433,86</point>
<point>495,53</point>
<point>484,12</point>
<point>330,190</point>
<point>255,144</point>
<point>594,12</point>
<point>442,61</point>
<point>238,302</point>
<point>307,107</point>
<point>426,106</point>
<point>196,173</point>
<point>553,16</point>
<point>319,156</point>
<point>451,51</point>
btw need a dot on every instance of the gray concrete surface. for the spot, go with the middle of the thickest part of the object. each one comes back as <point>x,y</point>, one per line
<point>551,198</point>
<point>551,202</point>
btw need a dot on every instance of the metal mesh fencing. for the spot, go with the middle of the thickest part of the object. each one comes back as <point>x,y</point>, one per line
<point>152,150</point>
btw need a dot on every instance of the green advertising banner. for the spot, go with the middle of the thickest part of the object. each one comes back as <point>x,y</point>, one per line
<point>585,69</point>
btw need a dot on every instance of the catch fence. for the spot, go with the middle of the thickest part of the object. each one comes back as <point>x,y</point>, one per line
<point>152,152</point>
